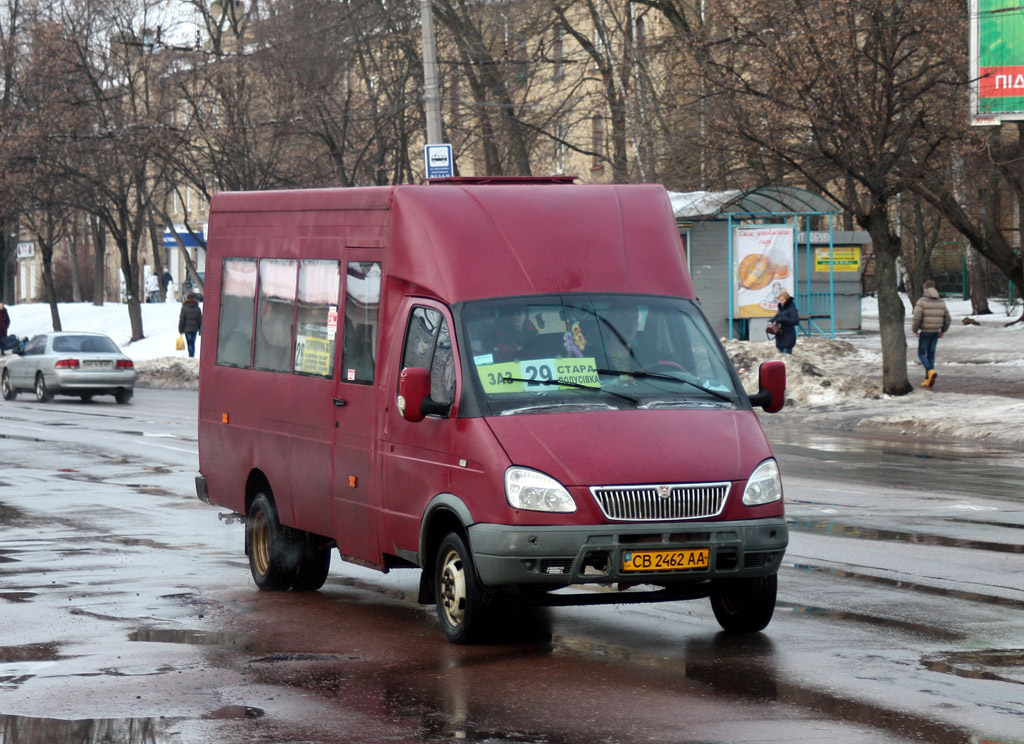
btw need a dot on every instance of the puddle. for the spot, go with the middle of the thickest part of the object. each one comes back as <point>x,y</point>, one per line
<point>922,588</point>
<point>917,538</point>
<point>17,596</point>
<point>188,637</point>
<point>30,652</point>
<point>979,664</point>
<point>235,711</point>
<point>29,730</point>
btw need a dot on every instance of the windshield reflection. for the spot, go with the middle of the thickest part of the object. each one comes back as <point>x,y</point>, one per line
<point>546,352</point>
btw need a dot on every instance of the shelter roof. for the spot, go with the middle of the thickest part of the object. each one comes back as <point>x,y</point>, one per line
<point>761,201</point>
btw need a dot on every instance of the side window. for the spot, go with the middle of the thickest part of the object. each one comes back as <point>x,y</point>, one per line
<point>428,345</point>
<point>362,308</point>
<point>36,346</point>
<point>317,320</point>
<point>237,303</point>
<point>275,318</point>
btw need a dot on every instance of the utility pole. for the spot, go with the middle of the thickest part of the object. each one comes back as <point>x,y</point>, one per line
<point>431,99</point>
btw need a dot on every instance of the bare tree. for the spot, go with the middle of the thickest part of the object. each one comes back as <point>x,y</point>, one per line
<point>842,89</point>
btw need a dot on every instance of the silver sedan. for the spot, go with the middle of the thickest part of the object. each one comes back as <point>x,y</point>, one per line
<point>69,363</point>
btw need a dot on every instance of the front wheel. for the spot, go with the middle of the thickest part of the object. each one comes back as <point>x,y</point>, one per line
<point>744,605</point>
<point>273,558</point>
<point>459,595</point>
<point>42,392</point>
<point>8,390</point>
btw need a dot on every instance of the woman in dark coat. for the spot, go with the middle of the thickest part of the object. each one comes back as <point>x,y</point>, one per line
<point>190,322</point>
<point>788,319</point>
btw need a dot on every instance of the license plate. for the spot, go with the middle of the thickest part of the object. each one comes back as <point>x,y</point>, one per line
<point>665,560</point>
<point>89,363</point>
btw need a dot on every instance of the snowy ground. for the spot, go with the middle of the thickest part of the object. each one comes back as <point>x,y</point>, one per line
<point>832,383</point>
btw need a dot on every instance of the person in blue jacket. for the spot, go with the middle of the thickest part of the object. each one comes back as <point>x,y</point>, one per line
<point>788,319</point>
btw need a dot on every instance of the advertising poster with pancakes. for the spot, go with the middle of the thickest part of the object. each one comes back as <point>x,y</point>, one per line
<point>763,267</point>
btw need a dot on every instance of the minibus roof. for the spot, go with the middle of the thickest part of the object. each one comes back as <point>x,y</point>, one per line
<point>463,241</point>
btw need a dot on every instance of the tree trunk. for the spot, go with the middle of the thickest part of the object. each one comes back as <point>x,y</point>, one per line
<point>891,313</point>
<point>156,241</point>
<point>73,243</point>
<point>99,250</point>
<point>977,284</point>
<point>46,254</point>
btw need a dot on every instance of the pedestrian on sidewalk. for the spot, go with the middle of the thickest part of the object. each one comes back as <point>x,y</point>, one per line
<point>931,321</point>
<point>190,322</point>
<point>787,318</point>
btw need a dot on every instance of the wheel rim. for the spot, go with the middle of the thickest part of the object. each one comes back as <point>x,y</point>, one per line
<point>40,388</point>
<point>6,383</point>
<point>259,543</point>
<point>453,588</point>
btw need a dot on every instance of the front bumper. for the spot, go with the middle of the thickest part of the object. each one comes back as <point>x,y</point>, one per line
<point>552,557</point>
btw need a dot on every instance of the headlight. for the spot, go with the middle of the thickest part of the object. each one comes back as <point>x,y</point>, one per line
<point>533,491</point>
<point>764,485</point>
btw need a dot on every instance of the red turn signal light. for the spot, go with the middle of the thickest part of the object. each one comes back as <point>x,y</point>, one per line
<point>125,364</point>
<point>67,364</point>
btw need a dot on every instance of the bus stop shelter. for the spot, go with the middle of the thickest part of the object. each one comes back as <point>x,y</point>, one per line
<point>744,247</point>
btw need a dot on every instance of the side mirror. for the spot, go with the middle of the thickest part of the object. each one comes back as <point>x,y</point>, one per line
<point>414,401</point>
<point>771,395</point>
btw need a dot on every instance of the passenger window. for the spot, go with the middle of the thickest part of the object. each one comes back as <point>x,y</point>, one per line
<point>317,321</point>
<point>237,301</point>
<point>362,305</point>
<point>275,318</point>
<point>428,345</point>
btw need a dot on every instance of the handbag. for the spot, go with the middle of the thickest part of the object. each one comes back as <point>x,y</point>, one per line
<point>772,329</point>
<point>179,345</point>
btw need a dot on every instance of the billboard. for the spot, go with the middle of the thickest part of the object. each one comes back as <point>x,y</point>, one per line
<point>762,268</point>
<point>996,61</point>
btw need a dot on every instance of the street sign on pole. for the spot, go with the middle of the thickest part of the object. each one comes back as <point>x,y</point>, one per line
<point>439,160</point>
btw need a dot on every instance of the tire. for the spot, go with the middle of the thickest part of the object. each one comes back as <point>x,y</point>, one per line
<point>42,393</point>
<point>86,397</point>
<point>457,590</point>
<point>6,388</point>
<point>273,557</point>
<point>744,605</point>
<point>314,565</point>
<point>123,396</point>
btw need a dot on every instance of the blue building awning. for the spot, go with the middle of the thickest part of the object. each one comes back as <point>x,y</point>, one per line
<point>188,239</point>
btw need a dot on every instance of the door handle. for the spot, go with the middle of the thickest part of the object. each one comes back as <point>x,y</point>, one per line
<point>339,402</point>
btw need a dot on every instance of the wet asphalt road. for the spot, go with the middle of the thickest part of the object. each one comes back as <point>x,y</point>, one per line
<point>127,613</point>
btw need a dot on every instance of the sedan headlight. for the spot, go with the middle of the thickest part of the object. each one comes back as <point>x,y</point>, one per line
<point>534,491</point>
<point>764,485</point>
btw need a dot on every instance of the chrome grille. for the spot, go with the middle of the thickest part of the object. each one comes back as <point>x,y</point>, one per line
<point>646,503</point>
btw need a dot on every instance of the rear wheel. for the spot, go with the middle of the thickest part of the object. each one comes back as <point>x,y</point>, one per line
<point>86,397</point>
<point>459,595</point>
<point>273,557</point>
<point>314,565</point>
<point>6,388</point>
<point>42,393</point>
<point>744,605</point>
<point>123,396</point>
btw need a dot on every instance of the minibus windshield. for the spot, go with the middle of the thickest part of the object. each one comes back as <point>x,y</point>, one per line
<point>530,354</point>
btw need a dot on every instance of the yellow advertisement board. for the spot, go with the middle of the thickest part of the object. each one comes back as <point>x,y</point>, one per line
<point>844,258</point>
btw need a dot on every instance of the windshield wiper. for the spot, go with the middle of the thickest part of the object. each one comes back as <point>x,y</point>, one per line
<point>660,376</point>
<point>576,385</point>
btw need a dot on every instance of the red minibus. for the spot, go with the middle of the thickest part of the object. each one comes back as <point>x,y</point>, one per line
<point>508,385</point>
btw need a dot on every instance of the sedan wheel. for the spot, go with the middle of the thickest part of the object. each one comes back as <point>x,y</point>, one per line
<point>8,390</point>
<point>42,393</point>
